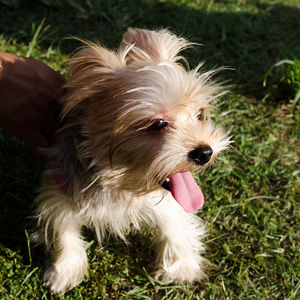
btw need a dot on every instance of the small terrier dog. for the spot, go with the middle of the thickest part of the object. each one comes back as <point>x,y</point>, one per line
<point>135,123</point>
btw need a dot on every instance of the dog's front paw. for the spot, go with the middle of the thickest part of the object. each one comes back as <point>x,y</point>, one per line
<point>59,278</point>
<point>182,270</point>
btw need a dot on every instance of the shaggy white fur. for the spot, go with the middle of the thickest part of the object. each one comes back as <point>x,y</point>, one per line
<point>178,234</point>
<point>132,120</point>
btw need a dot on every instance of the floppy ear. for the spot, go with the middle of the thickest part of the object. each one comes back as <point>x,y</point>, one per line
<point>152,46</point>
<point>89,67</point>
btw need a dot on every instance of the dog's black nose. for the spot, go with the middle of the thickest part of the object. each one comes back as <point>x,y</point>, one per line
<point>201,155</point>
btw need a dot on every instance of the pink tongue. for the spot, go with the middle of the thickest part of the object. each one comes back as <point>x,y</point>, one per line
<point>186,191</point>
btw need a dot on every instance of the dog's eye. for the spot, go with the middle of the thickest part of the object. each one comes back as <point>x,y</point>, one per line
<point>200,115</point>
<point>158,125</point>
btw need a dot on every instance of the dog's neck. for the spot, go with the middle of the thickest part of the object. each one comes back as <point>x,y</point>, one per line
<point>71,171</point>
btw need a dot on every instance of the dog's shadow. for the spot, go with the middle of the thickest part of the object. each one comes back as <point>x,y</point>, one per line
<point>20,177</point>
<point>133,258</point>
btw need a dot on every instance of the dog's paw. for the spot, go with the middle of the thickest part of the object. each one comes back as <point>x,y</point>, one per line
<point>60,279</point>
<point>182,270</point>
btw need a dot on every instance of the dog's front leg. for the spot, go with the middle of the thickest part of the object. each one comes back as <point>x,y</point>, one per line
<point>179,243</point>
<point>60,230</point>
<point>69,260</point>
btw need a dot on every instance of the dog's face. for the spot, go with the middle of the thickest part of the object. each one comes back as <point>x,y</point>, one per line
<point>146,120</point>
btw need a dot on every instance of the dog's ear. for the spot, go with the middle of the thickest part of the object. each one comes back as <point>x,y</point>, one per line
<point>94,58</point>
<point>89,67</point>
<point>152,46</point>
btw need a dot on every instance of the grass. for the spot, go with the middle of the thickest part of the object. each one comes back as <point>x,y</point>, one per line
<point>252,193</point>
<point>288,83</point>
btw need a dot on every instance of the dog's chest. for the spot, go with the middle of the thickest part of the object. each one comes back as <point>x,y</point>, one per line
<point>118,214</point>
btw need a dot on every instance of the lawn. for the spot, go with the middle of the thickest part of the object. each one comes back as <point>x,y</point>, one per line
<point>252,193</point>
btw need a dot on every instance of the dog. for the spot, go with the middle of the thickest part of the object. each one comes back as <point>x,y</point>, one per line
<point>135,124</point>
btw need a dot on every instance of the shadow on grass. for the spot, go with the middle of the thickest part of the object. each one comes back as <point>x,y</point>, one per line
<point>20,177</point>
<point>249,40</point>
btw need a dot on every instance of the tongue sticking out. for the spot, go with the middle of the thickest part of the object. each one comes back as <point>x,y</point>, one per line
<point>186,191</point>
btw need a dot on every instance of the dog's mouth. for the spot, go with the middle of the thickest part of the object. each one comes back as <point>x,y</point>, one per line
<point>185,190</point>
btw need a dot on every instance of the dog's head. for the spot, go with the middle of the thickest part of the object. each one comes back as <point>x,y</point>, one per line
<point>145,118</point>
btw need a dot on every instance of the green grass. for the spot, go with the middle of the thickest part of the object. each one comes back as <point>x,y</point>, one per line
<point>287,82</point>
<point>252,193</point>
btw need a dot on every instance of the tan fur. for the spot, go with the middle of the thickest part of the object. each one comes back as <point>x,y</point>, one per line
<point>117,96</point>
